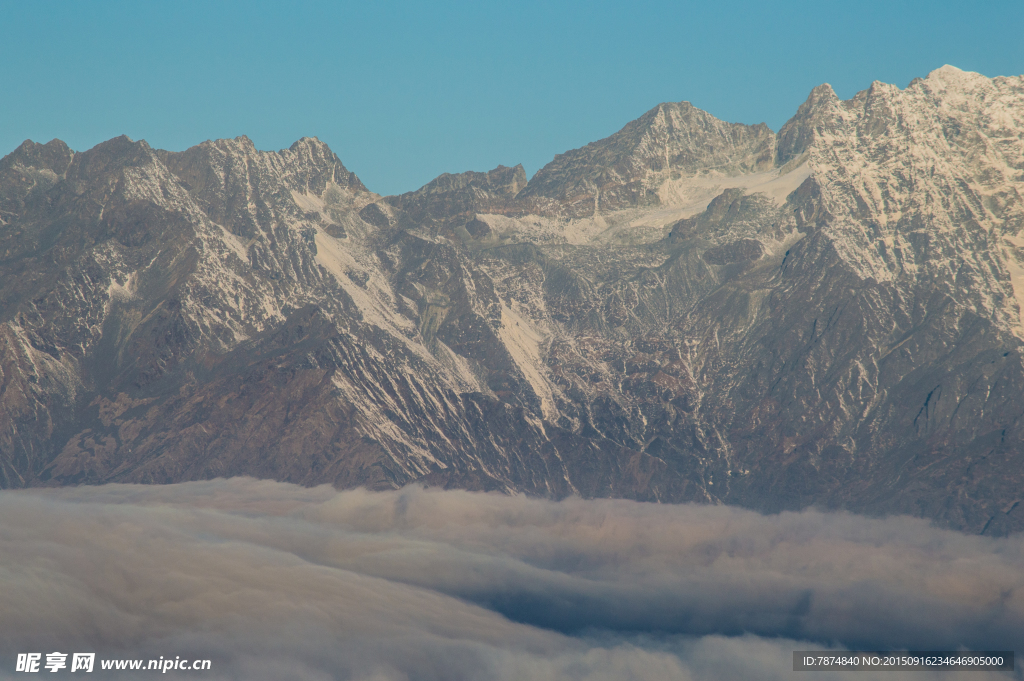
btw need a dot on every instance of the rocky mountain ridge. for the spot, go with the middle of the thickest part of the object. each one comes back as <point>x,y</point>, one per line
<point>688,310</point>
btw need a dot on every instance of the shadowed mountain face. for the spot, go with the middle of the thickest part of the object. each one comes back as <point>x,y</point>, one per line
<point>688,310</point>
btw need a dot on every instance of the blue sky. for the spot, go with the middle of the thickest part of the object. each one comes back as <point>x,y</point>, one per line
<point>403,91</point>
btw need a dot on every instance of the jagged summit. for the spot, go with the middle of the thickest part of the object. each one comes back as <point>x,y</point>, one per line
<point>625,169</point>
<point>502,180</point>
<point>451,200</point>
<point>28,167</point>
<point>54,154</point>
<point>797,134</point>
<point>953,76</point>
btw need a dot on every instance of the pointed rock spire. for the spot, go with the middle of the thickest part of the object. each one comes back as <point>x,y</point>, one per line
<point>798,132</point>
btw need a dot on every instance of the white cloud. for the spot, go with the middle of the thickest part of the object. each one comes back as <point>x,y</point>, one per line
<point>274,581</point>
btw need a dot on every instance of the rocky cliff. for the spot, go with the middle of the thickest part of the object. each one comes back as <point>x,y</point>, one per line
<point>688,310</point>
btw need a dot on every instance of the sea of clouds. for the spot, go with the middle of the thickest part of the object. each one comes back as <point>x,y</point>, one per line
<point>274,581</point>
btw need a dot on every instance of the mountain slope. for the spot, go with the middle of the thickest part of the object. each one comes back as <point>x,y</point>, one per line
<point>670,140</point>
<point>686,310</point>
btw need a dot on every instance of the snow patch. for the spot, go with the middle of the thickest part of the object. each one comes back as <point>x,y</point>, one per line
<point>691,195</point>
<point>523,342</point>
<point>778,247</point>
<point>308,202</point>
<point>374,299</point>
<point>122,292</point>
<point>234,244</point>
<point>1016,272</point>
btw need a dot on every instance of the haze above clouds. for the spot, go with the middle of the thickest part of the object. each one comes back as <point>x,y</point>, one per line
<point>274,581</point>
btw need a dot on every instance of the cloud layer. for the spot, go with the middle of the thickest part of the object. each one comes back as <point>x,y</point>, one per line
<point>273,581</point>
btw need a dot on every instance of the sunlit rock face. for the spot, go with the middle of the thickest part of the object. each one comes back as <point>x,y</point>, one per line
<point>688,310</point>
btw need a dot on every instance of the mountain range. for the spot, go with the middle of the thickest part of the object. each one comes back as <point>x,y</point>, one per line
<point>687,310</point>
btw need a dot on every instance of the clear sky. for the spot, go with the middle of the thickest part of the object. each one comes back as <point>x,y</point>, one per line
<point>403,91</point>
